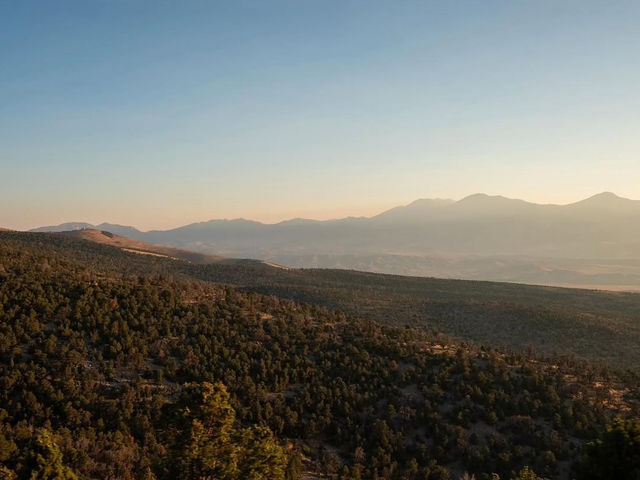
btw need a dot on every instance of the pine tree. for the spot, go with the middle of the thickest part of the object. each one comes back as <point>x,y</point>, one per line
<point>48,460</point>
<point>204,442</point>
<point>616,455</point>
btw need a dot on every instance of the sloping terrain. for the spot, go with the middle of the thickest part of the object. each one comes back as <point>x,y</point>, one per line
<point>138,246</point>
<point>143,248</point>
<point>115,365</point>
<point>594,243</point>
<point>598,326</point>
<point>605,274</point>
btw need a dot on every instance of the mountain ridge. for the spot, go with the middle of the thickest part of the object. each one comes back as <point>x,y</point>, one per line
<point>421,202</point>
<point>591,243</point>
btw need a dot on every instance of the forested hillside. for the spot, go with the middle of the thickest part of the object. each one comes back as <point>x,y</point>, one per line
<point>599,326</point>
<point>117,365</point>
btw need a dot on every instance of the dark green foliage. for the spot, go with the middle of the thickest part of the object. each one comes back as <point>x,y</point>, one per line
<point>6,474</point>
<point>47,459</point>
<point>203,441</point>
<point>601,327</point>
<point>527,474</point>
<point>114,365</point>
<point>615,455</point>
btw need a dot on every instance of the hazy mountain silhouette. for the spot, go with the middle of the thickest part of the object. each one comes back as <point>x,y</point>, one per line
<point>64,227</point>
<point>479,230</point>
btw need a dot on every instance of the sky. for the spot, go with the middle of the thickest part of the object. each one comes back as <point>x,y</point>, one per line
<point>161,113</point>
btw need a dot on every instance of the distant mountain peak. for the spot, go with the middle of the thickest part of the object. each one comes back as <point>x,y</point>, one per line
<point>423,202</point>
<point>483,198</point>
<point>474,196</point>
<point>604,196</point>
<point>414,210</point>
<point>607,199</point>
<point>492,203</point>
<point>63,227</point>
<point>298,221</point>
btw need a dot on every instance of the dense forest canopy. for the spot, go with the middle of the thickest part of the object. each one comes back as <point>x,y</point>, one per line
<point>598,326</point>
<point>117,366</point>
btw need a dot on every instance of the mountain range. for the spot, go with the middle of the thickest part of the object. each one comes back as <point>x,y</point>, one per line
<point>593,243</point>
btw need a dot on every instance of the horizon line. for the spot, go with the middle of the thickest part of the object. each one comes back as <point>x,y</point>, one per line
<point>293,219</point>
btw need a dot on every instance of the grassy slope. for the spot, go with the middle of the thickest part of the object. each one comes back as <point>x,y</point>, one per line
<point>107,238</point>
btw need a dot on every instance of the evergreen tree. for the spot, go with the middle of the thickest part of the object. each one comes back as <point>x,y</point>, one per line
<point>616,455</point>
<point>527,474</point>
<point>48,460</point>
<point>206,444</point>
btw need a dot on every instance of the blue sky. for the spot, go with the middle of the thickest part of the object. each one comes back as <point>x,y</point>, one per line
<point>158,114</point>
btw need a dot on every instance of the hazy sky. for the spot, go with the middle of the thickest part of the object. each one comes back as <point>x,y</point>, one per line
<point>158,114</point>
